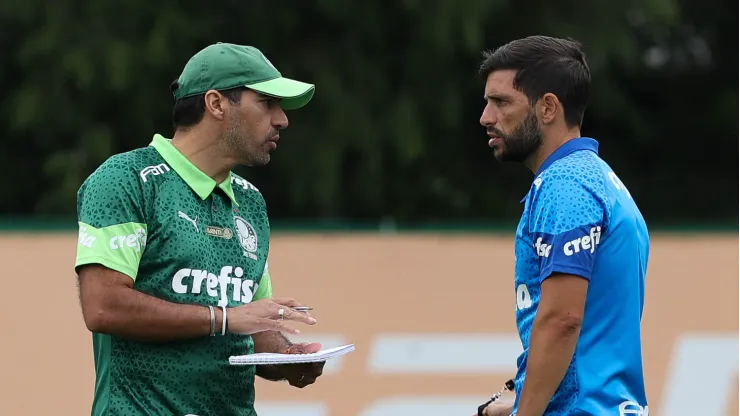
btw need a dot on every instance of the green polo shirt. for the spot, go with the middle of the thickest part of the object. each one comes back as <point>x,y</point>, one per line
<point>155,217</point>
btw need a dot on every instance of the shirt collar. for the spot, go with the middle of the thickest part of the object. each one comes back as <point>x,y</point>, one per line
<point>571,146</point>
<point>202,184</point>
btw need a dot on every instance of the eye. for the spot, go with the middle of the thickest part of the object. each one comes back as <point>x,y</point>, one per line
<point>498,102</point>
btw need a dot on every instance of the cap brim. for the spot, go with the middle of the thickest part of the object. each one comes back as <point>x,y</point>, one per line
<point>293,94</point>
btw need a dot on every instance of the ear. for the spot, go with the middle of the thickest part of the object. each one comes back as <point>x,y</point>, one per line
<point>549,108</point>
<point>214,102</point>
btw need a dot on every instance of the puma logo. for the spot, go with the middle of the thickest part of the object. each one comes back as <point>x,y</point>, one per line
<point>185,217</point>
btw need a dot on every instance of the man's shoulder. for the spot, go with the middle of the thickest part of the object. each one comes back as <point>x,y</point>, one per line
<point>574,186</point>
<point>580,166</point>
<point>243,188</point>
<point>579,170</point>
<point>131,167</point>
<point>572,190</point>
<point>115,192</point>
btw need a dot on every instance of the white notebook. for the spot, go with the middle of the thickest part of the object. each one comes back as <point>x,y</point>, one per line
<point>265,358</point>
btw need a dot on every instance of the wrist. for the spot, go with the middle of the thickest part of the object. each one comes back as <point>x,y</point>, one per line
<point>212,319</point>
<point>219,322</point>
<point>224,320</point>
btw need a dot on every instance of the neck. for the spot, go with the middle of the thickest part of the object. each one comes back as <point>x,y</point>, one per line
<point>202,150</point>
<point>549,145</point>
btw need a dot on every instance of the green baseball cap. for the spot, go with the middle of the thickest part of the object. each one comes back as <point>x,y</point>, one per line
<point>223,66</point>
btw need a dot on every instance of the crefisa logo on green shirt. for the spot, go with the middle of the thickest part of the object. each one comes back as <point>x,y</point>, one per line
<point>247,237</point>
<point>85,239</point>
<point>135,240</point>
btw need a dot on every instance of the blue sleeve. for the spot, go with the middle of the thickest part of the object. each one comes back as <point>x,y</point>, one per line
<point>567,222</point>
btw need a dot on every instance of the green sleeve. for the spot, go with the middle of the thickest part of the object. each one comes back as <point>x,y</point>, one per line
<point>112,225</point>
<point>264,290</point>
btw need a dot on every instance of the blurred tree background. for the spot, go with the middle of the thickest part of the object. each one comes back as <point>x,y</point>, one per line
<point>392,132</point>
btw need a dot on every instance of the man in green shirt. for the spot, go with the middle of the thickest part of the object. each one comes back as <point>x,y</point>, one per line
<point>173,247</point>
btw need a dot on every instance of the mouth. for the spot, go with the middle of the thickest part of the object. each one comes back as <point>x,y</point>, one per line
<point>494,140</point>
<point>272,141</point>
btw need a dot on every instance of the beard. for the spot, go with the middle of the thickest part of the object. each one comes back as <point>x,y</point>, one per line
<point>248,151</point>
<point>520,143</point>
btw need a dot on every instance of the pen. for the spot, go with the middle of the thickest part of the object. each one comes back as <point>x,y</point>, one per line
<point>303,308</point>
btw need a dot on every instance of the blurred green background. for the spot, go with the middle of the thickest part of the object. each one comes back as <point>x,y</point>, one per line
<point>392,135</point>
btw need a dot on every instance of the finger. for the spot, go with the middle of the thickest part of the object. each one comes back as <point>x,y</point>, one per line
<point>305,382</point>
<point>312,370</point>
<point>312,347</point>
<point>299,384</point>
<point>289,302</point>
<point>299,317</point>
<point>317,370</point>
<point>308,380</point>
<point>281,326</point>
<point>304,348</point>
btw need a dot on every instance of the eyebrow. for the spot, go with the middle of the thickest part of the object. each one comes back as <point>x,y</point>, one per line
<point>499,96</point>
<point>264,97</point>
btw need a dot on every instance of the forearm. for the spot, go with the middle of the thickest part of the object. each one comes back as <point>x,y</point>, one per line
<point>551,349</point>
<point>273,342</point>
<point>131,314</point>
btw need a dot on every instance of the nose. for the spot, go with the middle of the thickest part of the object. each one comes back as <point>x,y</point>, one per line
<point>279,119</point>
<point>488,117</point>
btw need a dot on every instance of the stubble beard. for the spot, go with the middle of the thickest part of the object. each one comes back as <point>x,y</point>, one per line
<point>248,151</point>
<point>521,143</point>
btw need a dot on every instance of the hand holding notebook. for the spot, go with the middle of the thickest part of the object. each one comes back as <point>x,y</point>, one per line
<point>272,358</point>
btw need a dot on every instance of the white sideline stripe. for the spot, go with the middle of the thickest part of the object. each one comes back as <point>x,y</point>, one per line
<point>267,408</point>
<point>444,353</point>
<point>709,377</point>
<point>424,405</point>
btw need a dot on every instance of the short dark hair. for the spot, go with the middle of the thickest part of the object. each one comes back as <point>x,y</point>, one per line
<point>545,65</point>
<point>189,111</point>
